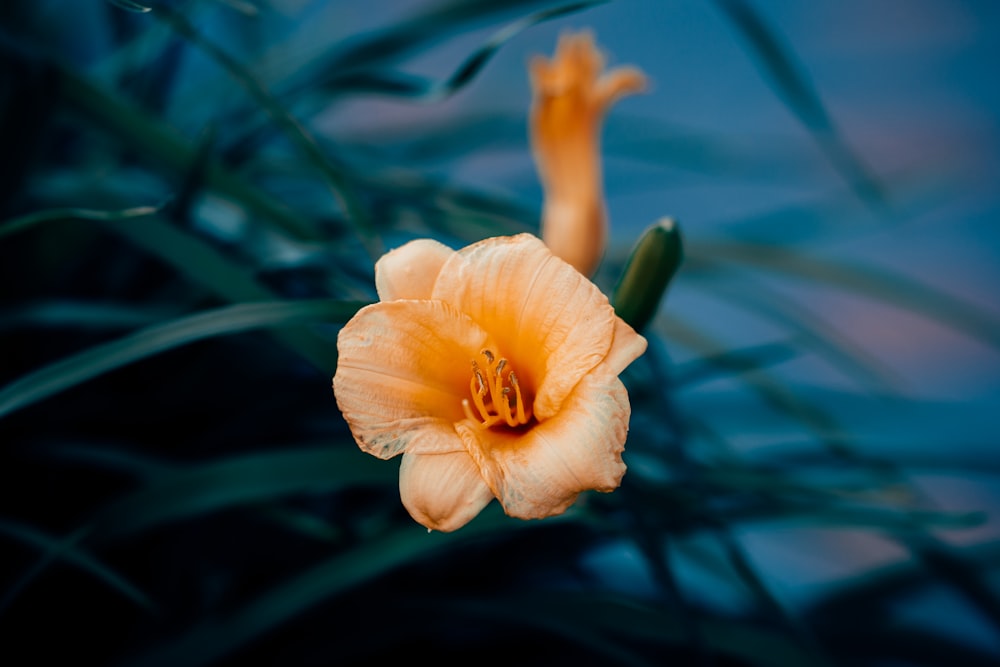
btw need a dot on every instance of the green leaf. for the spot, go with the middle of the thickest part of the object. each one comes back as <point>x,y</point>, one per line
<point>368,52</point>
<point>776,394</point>
<point>811,331</point>
<point>219,636</point>
<point>869,281</point>
<point>67,550</point>
<point>100,359</point>
<point>30,220</point>
<point>948,564</point>
<point>161,144</point>
<point>341,183</point>
<point>193,258</point>
<point>238,481</point>
<point>241,6</point>
<point>875,586</point>
<point>611,625</point>
<point>131,6</point>
<point>744,360</point>
<point>795,89</point>
<point>430,90</point>
<point>84,315</point>
<point>209,268</point>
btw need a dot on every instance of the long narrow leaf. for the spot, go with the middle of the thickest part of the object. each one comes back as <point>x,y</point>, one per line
<point>813,332</point>
<point>95,361</point>
<point>192,257</point>
<point>49,216</point>
<point>237,481</point>
<point>868,281</point>
<point>781,397</point>
<point>434,90</point>
<point>67,550</point>
<point>84,315</point>
<point>163,145</point>
<point>371,51</point>
<point>624,623</point>
<point>336,177</point>
<point>213,639</point>
<point>794,88</point>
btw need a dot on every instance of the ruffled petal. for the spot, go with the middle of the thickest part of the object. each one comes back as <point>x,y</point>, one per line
<point>539,472</point>
<point>626,347</point>
<point>442,491</point>
<point>404,369</point>
<point>550,322</point>
<point>409,271</point>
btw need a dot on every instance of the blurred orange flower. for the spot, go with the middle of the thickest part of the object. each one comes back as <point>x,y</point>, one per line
<point>494,372</point>
<point>572,92</point>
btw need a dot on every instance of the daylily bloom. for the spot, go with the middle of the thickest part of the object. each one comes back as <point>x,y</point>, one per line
<point>572,92</point>
<point>494,371</point>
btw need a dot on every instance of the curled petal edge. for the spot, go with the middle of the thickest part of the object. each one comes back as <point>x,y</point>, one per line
<point>442,491</point>
<point>410,271</point>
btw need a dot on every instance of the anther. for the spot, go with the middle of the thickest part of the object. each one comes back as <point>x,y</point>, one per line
<point>491,394</point>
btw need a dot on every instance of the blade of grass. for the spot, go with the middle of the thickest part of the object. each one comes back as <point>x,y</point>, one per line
<point>744,360</point>
<point>84,315</point>
<point>220,636</point>
<point>780,397</point>
<point>118,459</point>
<point>152,139</point>
<point>894,581</point>
<point>948,565</point>
<point>193,258</point>
<point>570,624</point>
<point>66,549</point>
<point>869,281</point>
<point>373,50</point>
<point>100,359</point>
<point>242,6</point>
<point>627,622</point>
<point>428,90</point>
<point>793,86</point>
<point>209,268</point>
<point>131,6</point>
<point>811,331</point>
<point>744,568</point>
<point>341,185</point>
<point>655,547</point>
<point>237,481</point>
<point>24,222</point>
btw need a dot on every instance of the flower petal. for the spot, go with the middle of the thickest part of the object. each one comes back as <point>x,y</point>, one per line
<point>409,271</point>
<point>403,371</point>
<point>540,472</point>
<point>616,84</point>
<point>442,491</point>
<point>552,323</point>
<point>626,347</point>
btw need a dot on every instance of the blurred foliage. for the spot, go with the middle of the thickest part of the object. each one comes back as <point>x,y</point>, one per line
<point>181,241</point>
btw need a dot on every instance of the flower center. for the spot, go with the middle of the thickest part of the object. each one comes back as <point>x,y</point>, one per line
<point>496,394</point>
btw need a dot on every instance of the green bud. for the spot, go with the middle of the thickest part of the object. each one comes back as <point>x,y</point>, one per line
<point>653,262</point>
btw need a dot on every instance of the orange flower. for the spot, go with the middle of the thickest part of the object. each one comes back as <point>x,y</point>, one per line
<point>494,372</point>
<point>571,95</point>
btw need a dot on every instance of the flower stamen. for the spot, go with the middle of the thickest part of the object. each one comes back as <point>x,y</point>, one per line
<point>496,397</point>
